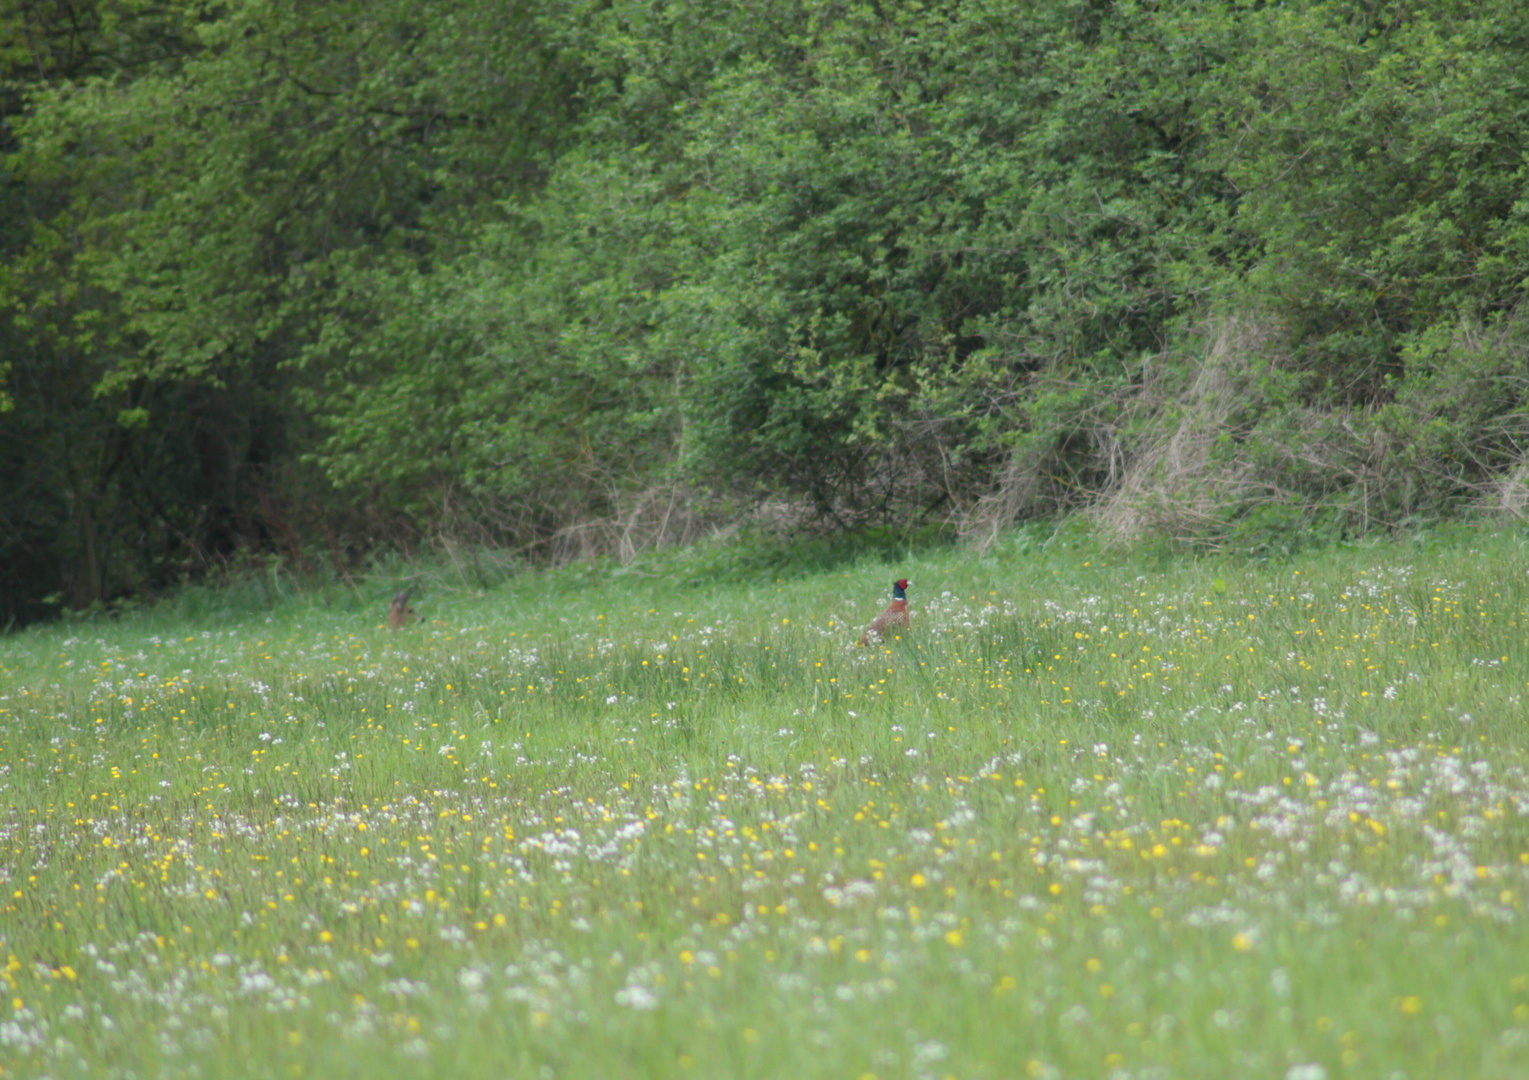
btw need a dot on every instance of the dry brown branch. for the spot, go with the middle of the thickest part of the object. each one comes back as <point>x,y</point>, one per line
<point>1173,486</point>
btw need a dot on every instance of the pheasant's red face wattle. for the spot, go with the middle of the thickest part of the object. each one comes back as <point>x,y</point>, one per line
<point>902,583</point>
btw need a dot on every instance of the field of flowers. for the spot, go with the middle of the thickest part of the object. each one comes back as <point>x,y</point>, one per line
<point>1095,816</point>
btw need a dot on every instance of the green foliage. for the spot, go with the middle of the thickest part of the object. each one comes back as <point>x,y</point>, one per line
<point>889,243</point>
<point>1380,156</point>
<point>526,363</point>
<point>192,217</point>
<point>297,141</point>
<point>525,265</point>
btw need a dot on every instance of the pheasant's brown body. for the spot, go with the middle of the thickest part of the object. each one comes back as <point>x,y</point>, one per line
<point>400,614</point>
<point>894,617</point>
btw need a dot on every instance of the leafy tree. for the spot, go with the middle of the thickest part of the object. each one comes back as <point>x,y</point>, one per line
<point>540,261</point>
<point>66,516</point>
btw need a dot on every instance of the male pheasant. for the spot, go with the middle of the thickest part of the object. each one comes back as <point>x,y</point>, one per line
<point>400,614</point>
<point>895,615</point>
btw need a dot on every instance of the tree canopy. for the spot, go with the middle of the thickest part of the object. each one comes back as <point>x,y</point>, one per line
<point>302,277</point>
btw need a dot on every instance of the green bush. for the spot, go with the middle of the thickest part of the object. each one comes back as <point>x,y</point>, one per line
<point>538,276</point>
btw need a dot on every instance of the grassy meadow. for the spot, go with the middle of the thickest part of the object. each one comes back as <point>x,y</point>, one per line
<point>1100,814</point>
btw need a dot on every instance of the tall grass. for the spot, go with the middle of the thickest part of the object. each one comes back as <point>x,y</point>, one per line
<point>1099,813</point>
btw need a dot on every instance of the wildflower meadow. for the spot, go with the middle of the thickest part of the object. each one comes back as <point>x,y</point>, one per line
<point>1100,813</point>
